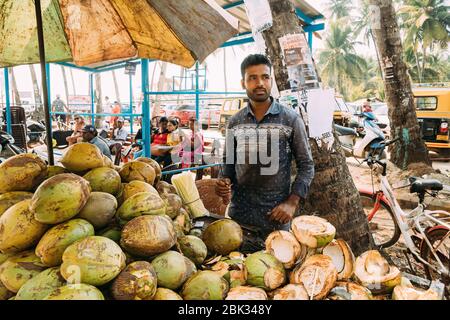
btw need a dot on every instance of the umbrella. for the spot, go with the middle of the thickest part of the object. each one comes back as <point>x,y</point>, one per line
<point>97,32</point>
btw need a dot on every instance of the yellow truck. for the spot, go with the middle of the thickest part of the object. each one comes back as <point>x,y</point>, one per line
<point>433,114</point>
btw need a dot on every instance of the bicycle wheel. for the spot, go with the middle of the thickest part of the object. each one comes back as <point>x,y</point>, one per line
<point>383,226</point>
<point>440,240</point>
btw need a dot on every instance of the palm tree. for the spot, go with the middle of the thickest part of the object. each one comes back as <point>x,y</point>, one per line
<point>116,86</point>
<point>339,8</point>
<point>340,63</point>
<point>38,114</point>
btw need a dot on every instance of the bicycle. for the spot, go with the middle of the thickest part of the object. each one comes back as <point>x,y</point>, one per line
<point>426,233</point>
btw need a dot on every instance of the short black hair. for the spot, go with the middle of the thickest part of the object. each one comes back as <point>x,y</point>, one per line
<point>254,60</point>
<point>174,122</point>
<point>163,119</point>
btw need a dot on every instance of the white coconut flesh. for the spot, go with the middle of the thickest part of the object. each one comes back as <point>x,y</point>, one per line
<point>350,291</point>
<point>313,231</point>
<point>246,293</point>
<point>406,291</point>
<point>314,280</point>
<point>273,278</point>
<point>334,251</point>
<point>291,292</point>
<point>283,250</point>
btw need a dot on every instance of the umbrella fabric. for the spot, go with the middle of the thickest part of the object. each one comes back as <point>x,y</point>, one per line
<point>97,32</point>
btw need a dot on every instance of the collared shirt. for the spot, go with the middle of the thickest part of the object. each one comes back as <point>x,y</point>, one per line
<point>120,134</point>
<point>58,105</point>
<point>257,159</point>
<point>102,146</point>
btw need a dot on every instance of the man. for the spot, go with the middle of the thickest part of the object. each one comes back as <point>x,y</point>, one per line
<point>118,137</point>
<point>366,107</point>
<point>260,190</point>
<point>90,135</point>
<point>115,110</point>
<point>59,106</point>
<point>159,138</point>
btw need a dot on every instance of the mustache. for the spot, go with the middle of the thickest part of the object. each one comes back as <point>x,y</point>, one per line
<point>260,89</point>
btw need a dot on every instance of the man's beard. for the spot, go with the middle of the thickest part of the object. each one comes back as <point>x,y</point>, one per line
<point>258,97</point>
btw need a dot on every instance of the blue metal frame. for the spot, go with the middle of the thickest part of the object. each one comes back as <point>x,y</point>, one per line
<point>91,92</point>
<point>8,103</point>
<point>145,109</point>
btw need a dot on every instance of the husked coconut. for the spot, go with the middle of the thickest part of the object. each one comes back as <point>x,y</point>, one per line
<point>81,157</point>
<point>79,291</point>
<point>136,282</point>
<point>19,230</point>
<point>344,290</point>
<point>283,246</point>
<point>291,292</point>
<point>264,271</point>
<point>317,274</point>
<point>166,294</point>
<point>155,165</point>
<point>205,285</point>
<point>9,199</point>
<point>60,198</point>
<point>342,256</point>
<point>223,236</point>
<point>137,170</point>
<point>312,231</point>
<point>143,203</point>
<point>22,172</point>
<point>104,180</point>
<point>246,293</point>
<point>99,210</point>
<point>40,286</point>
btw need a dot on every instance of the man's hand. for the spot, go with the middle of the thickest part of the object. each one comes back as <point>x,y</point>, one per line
<point>223,189</point>
<point>284,212</point>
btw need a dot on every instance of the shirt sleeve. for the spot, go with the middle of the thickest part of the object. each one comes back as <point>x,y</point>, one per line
<point>229,155</point>
<point>303,159</point>
<point>122,135</point>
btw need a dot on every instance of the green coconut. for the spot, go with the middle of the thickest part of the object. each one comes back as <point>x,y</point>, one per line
<point>19,230</point>
<point>155,165</point>
<point>55,241</point>
<point>119,195</point>
<point>22,172</point>
<point>54,170</point>
<point>99,210</point>
<point>193,248</point>
<point>137,281</point>
<point>136,186</point>
<point>197,232</point>
<point>166,294</point>
<point>5,294</point>
<point>173,204</point>
<point>165,187</point>
<point>148,235</point>
<point>223,236</point>
<point>60,198</point>
<point>104,180</point>
<point>312,231</point>
<point>79,291</point>
<point>93,260</point>
<point>82,156</point>
<point>7,200</point>
<point>172,269</point>
<point>5,256</point>
<point>40,286</point>
<point>264,271</point>
<point>20,268</point>
<point>205,285</point>
<point>144,203</point>
<point>137,170</point>
<point>183,222</point>
<point>113,233</point>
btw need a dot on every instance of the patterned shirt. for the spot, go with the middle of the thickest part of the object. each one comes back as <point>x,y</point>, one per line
<point>257,159</point>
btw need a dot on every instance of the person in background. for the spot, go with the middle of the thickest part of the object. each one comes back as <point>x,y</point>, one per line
<point>193,145</point>
<point>119,136</point>
<point>366,107</point>
<point>107,107</point>
<point>115,110</point>
<point>175,135</point>
<point>59,106</point>
<point>77,130</point>
<point>89,134</point>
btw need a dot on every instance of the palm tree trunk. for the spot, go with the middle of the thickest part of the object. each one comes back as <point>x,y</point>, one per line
<point>419,70</point>
<point>14,89</point>
<point>332,195</point>
<point>424,58</point>
<point>116,86</point>
<point>98,98</point>
<point>225,71</point>
<point>38,114</point>
<point>74,89</point>
<point>377,53</point>
<point>399,97</point>
<point>161,86</point>
<point>66,89</point>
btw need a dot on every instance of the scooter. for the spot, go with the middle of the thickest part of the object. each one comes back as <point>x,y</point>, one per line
<point>7,142</point>
<point>371,135</point>
<point>35,131</point>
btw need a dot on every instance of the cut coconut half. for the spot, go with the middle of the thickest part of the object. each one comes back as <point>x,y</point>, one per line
<point>291,292</point>
<point>374,273</point>
<point>285,247</point>
<point>349,291</point>
<point>312,231</point>
<point>233,271</point>
<point>246,293</point>
<point>406,291</point>
<point>342,256</point>
<point>318,275</point>
<point>235,255</point>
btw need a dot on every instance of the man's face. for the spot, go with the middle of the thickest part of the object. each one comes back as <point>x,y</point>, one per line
<point>163,125</point>
<point>257,82</point>
<point>88,136</point>
<point>119,124</point>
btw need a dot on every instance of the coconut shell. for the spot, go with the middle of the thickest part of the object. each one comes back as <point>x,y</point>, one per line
<point>246,293</point>
<point>193,248</point>
<point>54,170</point>
<point>137,170</point>
<point>99,210</point>
<point>283,246</point>
<point>183,222</point>
<point>60,198</point>
<point>23,172</point>
<point>9,199</point>
<point>113,233</point>
<point>264,271</point>
<point>165,187</point>
<point>104,180</point>
<point>173,204</point>
<point>136,186</point>
<point>81,157</point>
<point>93,260</point>
<point>205,285</point>
<point>40,286</point>
<point>148,235</point>
<point>20,268</point>
<point>312,231</point>
<point>291,292</point>
<point>342,256</point>
<point>143,203</point>
<point>155,165</point>
<point>172,269</point>
<point>344,290</point>
<point>166,294</point>
<point>232,270</point>
<point>5,294</point>
<point>137,281</point>
<point>19,230</point>
<point>52,245</point>
<point>80,291</point>
<point>223,236</point>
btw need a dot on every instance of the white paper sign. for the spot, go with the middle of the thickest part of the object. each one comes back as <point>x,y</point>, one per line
<point>259,15</point>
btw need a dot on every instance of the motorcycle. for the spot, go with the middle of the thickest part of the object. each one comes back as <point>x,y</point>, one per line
<point>7,143</point>
<point>371,134</point>
<point>35,131</point>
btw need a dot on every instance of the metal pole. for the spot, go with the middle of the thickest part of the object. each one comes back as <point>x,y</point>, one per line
<point>310,39</point>
<point>47,72</point>
<point>131,103</point>
<point>40,33</point>
<point>196,92</point>
<point>8,103</point>
<point>91,91</point>
<point>145,109</point>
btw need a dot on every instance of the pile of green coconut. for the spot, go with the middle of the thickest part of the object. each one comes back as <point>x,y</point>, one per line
<point>88,230</point>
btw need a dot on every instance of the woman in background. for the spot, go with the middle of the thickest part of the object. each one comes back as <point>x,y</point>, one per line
<point>77,134</point>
